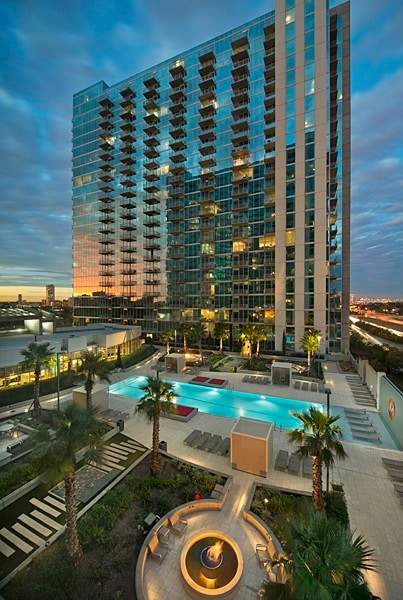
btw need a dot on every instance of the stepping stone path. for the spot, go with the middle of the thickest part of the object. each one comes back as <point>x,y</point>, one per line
<point>40,524</point>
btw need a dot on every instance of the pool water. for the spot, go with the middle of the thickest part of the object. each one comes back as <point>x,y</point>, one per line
<point>225,403</point>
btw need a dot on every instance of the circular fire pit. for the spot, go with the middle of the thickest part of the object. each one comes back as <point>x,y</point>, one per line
<point>211,565</point>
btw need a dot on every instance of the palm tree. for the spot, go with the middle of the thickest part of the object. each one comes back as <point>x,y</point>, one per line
<point>310,343</point>
<point>158,399</point>
<point>166,337</point>
<point>248,335</point>
<point>92,365</point>
<point>324,560</point>
<point>222,332</point>
<point>36,356</point>
<point>260,336</point>
<point>319,439</point>
<point>199,331</point>
<point>75,428</point>
<point>186,331</point>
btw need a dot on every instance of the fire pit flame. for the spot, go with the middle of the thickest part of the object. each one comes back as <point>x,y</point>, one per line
<point>214,552</point>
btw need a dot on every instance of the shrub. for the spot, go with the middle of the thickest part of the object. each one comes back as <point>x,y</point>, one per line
<point>16,477</point>
<point>138,355</point>
<point>336,507</point>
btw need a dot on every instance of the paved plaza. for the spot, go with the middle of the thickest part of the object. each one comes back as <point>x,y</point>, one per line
<point>374,508</point>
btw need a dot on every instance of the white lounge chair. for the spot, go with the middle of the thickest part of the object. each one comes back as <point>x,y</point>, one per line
<point>178,525</point>
<point>158,550</point>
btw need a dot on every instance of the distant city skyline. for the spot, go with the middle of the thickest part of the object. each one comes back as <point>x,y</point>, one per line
<point>52,50</point>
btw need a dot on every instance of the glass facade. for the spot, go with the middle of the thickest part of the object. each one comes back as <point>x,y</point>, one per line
<point>201,187</point>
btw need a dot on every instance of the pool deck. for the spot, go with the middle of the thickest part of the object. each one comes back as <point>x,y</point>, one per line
<point>374,508</point>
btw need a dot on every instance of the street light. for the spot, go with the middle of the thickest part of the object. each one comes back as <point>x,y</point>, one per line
<point>327,391</point>
<point>176,349</point>
<point>58,376</point>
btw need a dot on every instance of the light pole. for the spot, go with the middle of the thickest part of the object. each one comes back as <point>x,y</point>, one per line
<point>176,349</point>
<point>58,376</point>
<point>327,391</point>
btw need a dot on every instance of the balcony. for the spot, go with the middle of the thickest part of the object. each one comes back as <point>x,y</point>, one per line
<point>152,165</point>
<point>177,108</point>
<point>152,189</point>
<point>127,226</point>
<point>207,84</point>
<point>128,204</point>
<point>240,139</point>
<point>127,215</point>
<point>152,282</point>
<point>106,262</point>
<point>177,145</point>
<point>127,183</point>
<point>128,238</point>
<point>206,223</point>
<point>106,125</point>
<point>151,176</point>
<point>177,180</point>
<point>106,189</point>
<point>106,230</point>
<point>106,113</point>
<point>153,258</point>
<point>240,58</point>
<point>106,199</point>
<point>128,105</point>
<point>207,136</point>
<point>177,70</point>
<point>128,193</point>
<point>240,204</point>
<point>128,260</point>
<point>151,94</point>
<point>106,178</point>
<point>128,138</point>
<point>128,149</point>
<point>240,95</point>
<point>106,103</point>
<point>151,223</point>
<point>207,185</point>
<point>175,203</point>
<point>128,272</point>
<point>151,152</point>
<point>208,148</point>
<point>106,157</point>
<point>207,161</point>
<point>106,251</point>
<point>151,200</point>
<point>177,192</point>
<point>151,142</point>
<point>107,219</point>
<point>177,157</point>
<point>177,121</point>
<point>152,246</point>
<point>151,212</point>
<point>128,116</point>
<point>207,110</point>
<point>127,172</point>
<point>128,160</point>
<point>128,93</point>
<point>177,169</point>
<point>207,69</point>
<point>176,215</point>
<point>128,249</point>
<point>239,191</point>
<point>107,168</point>
<point>152,118</point>
<point>150,105</point>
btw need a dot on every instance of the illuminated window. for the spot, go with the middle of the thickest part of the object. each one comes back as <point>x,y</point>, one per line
<point>290,237</point>
<point>239,246</point>
<point>267,241</point>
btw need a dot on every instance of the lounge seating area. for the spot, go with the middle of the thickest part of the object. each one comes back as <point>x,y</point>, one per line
<point>209,381</point>
<point>306,386</point>
<point>292,463</point>
<point>208,442</point>
<point>256,379</point>
<point>177,524</point>
<point>157,549</point>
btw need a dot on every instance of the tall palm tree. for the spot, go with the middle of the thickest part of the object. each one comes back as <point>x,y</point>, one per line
<point>36,356</point>
<point>75,428</point>
<point>158,399</point>
<point>260,336</point>
<point>319,439</point>
<point>248,335</point>
<point>324,560</point>
<point>186,331</point>
<point>222,332</point>
<point>199,331</point>
<point>310,342</point>
<point>166,337</point>
<point>92,365</point>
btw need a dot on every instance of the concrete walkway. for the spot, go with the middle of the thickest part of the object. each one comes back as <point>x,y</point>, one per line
<point>374,509</point>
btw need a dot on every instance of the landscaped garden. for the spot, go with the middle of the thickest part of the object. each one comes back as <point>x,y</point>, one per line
<point>111,533</point>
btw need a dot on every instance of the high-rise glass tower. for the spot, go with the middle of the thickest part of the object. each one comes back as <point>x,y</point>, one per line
<point>215,186</point>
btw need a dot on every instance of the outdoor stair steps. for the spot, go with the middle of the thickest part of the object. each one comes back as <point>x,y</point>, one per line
<point>6,549</point>
<point>45,519</point>
<point>15,540</point>
<point>45,507</point>
<point>28,534</point>
<point>38,527</point>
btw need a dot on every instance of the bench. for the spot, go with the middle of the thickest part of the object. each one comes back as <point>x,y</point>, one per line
<point>158,550</point>
<point>177,524</point>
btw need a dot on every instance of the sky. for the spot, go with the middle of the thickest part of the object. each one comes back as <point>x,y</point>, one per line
<point>50,49</point>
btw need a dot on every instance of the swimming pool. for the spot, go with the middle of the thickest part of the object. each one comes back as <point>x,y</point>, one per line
<point>225,403</point>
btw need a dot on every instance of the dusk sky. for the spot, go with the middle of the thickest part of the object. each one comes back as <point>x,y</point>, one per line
<point>50,49</point>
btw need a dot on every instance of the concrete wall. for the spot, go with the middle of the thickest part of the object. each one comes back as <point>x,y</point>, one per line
<point>390,404</point>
